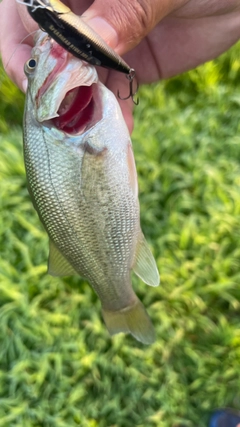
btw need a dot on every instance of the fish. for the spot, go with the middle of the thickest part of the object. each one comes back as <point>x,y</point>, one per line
<point>82,180</point>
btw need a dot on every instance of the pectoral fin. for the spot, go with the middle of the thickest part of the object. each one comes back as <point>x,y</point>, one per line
<point>57,264</point>
<point>144,264</point>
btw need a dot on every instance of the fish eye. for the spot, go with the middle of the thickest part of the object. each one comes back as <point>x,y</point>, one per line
<point>30,66</point>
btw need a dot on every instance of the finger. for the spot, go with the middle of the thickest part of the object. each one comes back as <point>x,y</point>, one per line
<point>123,24</point>
<point>29,24</point>
<point>14,66</point>
<point>14,53</point>
<point>200,9</point>
<point>187,43</point>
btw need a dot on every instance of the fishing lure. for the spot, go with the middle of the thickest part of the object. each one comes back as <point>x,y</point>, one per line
<point>74,35</point>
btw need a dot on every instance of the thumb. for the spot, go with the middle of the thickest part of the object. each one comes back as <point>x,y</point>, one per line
<point>123,24</point>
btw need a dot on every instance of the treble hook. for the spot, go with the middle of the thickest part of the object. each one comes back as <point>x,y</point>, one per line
<point>131,76</point>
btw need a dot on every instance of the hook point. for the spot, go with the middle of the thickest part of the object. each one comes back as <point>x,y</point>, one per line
<point>132,93</point>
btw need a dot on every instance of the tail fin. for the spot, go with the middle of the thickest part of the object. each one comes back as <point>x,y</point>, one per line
<point>133,319</point>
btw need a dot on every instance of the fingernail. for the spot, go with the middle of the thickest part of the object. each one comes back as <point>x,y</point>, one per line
<point>24,85</point>
<point>104,29</point>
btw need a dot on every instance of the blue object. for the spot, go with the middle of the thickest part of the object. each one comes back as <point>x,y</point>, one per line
<point>225,418</point>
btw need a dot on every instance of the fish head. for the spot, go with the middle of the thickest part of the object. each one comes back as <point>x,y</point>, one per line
<point>64,91</point>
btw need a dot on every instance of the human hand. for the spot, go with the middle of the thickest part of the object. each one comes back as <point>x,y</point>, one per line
<point>159,39</point>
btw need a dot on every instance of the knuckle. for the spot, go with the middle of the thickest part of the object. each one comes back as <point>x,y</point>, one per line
<point>135,14</point>
<point>145,14</point>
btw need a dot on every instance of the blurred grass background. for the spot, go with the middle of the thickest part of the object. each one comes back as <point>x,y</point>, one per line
<point>58,365</point>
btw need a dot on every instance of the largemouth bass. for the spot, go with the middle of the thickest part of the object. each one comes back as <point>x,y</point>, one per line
<point>83,183</point>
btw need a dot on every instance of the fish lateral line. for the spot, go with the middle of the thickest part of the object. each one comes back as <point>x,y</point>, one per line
<point>75,36</point>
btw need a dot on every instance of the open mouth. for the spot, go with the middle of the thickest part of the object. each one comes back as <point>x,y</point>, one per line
<point>76,111</point>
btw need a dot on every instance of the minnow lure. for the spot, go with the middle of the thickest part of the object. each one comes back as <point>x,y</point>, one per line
<point>74,35</point>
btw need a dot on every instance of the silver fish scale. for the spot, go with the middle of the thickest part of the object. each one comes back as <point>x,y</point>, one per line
<point>89,212</point>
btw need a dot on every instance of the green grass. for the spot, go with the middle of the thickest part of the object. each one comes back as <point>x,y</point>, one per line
<point>58,365</point>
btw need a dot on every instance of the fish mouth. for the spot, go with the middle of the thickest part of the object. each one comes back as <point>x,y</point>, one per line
<point>77,111</point>
<point>68,95</point>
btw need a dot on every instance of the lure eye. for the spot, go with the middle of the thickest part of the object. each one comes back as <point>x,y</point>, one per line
<point>30,66</point>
